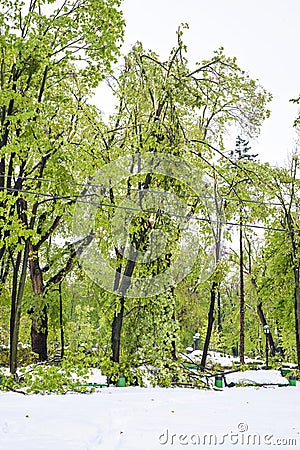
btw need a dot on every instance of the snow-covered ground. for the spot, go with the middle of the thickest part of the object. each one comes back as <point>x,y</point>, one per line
<point>257,376</point>
<point>133,418</point>
<point>224,360</point>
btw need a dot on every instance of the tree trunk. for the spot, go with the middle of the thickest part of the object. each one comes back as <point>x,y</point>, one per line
<point>242,297</point>
<point>263,320</point>
<point>62,336</point>
<point>173,351</point>
<point>118,318</point>
<point>39,324</point>
<point>123,284</point>
<point>209,324</point>
<point>116,332</point>
<point>219,313</point>
<point>39,334</point>
<point>297,313</point>
<point>14,295</point>
<point>171,336</point>
<point>261,315</point>
<point>16,312</point>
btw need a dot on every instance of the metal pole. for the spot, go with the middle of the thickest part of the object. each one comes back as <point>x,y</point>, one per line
<point>267,331</point>
<point>267,351</point>
<point>196,341</point>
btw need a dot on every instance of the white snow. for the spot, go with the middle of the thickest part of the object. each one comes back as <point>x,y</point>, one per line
<point>222,359</point>
<point>256,376</point>
<point>134,418</point>
<point>95,376</point>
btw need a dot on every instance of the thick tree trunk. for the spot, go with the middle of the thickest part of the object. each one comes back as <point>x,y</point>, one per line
<point>210,322</point>
<point>116,332</point>
<point>39,328</point>
<point>39,334</point>
<point>39,324</point>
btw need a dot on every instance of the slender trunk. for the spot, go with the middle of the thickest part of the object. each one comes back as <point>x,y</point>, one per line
<point>209,324</point>
<point>173,351</point>
<point>123,283</point>
<point>297,313</point>
<point>4,273</point>
<point>263,321</point>
<point>116,327</point>
<point>62,336</point>
<point>14,291</point>
<point>17,312</point>
<point>171,336</point>
<point>242,297</point>
<point>14,294</point>
<point>219,312</point>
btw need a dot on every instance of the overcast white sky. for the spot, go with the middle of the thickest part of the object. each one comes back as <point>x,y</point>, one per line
<point>262,34</point>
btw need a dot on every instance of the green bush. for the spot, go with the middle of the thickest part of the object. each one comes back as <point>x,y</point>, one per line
<point>47,379</point>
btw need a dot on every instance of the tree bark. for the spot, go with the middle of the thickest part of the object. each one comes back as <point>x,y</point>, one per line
<point>14,295</point>
<point>118,318</point>
<point>39,324</point>
<point>297,313</point>
<point>39,334</point>
<point>62,335</point>
<point>242,297</point>
<point>16,311</point>
<point>173,351</point>
<point>122,283</point>
<point>219,313</point>
<point>210,322</point>
<point>261,315</point>
<point>116,332</point>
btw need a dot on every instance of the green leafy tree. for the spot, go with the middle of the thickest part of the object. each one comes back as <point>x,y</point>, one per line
<point>52,55</point>
<point>164,106</point>
<point>286,190</point>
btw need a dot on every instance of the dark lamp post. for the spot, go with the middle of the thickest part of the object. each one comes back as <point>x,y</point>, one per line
<point>267,331</point>
<point>196,338</point>
<point>260,346</point>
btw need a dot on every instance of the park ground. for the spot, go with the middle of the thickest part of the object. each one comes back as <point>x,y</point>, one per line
<point>134,418</point>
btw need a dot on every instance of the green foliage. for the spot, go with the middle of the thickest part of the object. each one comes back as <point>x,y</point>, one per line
<point>54,379</point>
<point>166,373</point>
<point>114,370</point>
<point>47,379</point>
<point>52,60</point>
<point>53,54</point>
